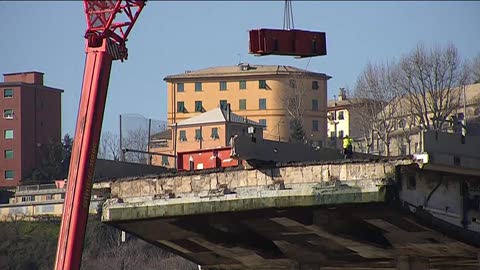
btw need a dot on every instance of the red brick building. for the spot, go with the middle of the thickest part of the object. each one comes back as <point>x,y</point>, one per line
<point>31,117</point>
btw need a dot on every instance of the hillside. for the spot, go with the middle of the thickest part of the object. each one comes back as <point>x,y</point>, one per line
<point>32,245</point>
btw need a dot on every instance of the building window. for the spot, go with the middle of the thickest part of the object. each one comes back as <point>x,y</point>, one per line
<point>223,86</point>
<point>315,125</point>
<point>198,106</point>
<point>242,104</point>
<point>8,93</point>
<point>314,104</point>
<point>403,149</point>
<point>262,104</point>
<point>8,134</point>
<point>243,84</point>
<point>340,134</point>
<point>263,122</point>
<point>340,115</point>
<point>198,86</point>
<point>8,114</point>
<point>180,87</point>
<point>215,133</point>
<point>331,116</point>
<point>183,136</point>
<point>262,84</point>
<point>180,106</point>
<point>198,134</point>
<point>28,198</point>
<point>314,85</point>
<point>223,104</point>
<point>9,175</point>
<point>8,154</point>
<point>165,161</point>
<point>293,83</point>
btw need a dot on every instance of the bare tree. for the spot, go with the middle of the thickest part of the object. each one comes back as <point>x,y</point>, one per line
<point>359,112</point>
<point>136,139</point>
<point>406,121</point>
<point>293,99</point>
<point>431,81</point>
<point>475,69</point>
<point>109,147</point>
<point>375,86</point>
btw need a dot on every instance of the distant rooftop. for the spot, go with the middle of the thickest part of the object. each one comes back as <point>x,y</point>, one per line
<point>216,115</point>
<point>25,72</point>
<point>26,78</point>
<point>164,135</point>
<point>244,69</point>
<point>346,102</point>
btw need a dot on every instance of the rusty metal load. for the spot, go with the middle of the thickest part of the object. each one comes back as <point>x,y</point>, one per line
<point>295,42</point>
<point>287,41</point>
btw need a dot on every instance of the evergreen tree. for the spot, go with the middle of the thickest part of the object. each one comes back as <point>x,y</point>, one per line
<point>297,134</point>
<point>67,153</point>
<point>53,162</point>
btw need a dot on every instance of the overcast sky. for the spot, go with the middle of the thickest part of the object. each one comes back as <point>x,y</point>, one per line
<point>173,36</point>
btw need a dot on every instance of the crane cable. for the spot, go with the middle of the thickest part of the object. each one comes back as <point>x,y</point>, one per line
<point>288,16</point>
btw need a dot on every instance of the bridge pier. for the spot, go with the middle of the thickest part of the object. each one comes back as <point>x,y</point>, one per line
<point>412,263</point>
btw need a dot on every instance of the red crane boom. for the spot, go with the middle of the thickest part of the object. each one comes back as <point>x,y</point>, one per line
<point>105,37</point>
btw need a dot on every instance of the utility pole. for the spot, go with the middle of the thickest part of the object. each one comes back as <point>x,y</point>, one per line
<point>149,157</point>
<point>122,155</point>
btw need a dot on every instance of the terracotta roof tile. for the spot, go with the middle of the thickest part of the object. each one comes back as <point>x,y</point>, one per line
<point>229,71</point>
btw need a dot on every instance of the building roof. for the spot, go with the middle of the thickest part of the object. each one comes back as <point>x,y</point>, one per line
<point>217,115</point>
<point>472,93</point>
<point>29,85</point>
<point>242,70</point>
<point>164,135</point>
<point>472,97</point>
<point>344,103</point>
<point>24,72</point>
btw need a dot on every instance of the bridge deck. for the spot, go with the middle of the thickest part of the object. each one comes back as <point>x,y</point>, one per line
<point>293,217</point>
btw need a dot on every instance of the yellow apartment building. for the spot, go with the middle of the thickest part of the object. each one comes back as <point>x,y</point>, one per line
<point>208,130</point>
<point>257,92</point>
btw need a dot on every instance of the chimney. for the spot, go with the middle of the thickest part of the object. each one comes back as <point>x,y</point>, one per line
<point>32,77</point>
<point>342,94</point>
<point>228,112</point>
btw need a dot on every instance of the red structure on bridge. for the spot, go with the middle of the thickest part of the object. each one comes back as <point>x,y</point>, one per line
<point>206,159</point>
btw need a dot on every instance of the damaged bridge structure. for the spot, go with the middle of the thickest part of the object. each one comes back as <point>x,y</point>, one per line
<point>414,212</point>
